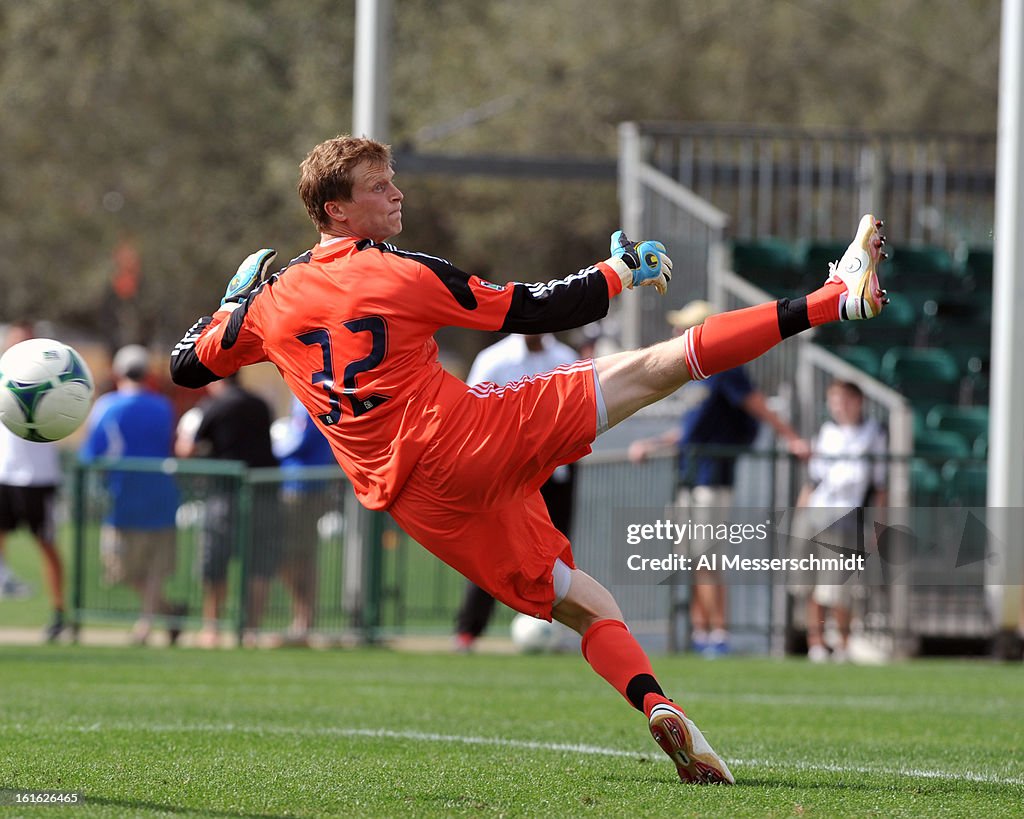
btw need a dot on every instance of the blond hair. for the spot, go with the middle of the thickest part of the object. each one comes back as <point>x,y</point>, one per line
<point>326,174</point>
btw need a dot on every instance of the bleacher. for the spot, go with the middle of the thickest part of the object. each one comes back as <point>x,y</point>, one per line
<point>932,344</point>
<point>754,211</point>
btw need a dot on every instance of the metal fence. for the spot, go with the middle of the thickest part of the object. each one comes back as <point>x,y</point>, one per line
<point>656,205</point>
<point>370,581</point>
<point>920,611</point>
<point>698,186</point>
<point>814,183</point>
<point>275,529</point>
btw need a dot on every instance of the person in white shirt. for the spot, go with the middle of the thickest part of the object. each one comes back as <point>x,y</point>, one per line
<point>30,474</point>
<point>512,358</point>
<point>847,471</point>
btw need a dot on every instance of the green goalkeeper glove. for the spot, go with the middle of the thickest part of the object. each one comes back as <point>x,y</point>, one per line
<point>249,276</point>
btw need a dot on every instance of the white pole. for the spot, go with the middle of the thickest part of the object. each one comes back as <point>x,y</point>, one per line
<point>371,91</point>
<point>1006,427</point>
<point>631,210</point>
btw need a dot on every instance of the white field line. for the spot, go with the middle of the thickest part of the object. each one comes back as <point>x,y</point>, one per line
<point>502,742</point>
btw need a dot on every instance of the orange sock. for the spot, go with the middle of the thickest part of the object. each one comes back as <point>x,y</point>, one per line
<point>615,654</point>
<point>727,340</point>
<point>823,303</point>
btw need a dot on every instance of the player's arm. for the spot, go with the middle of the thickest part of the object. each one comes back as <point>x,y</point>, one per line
<point>756,404</point>
<point>561,304</point>
<point>642,448</point>
<point>548,307</point>
<point>187,370</point>
<point>217,346</point>
<point>568,303</point>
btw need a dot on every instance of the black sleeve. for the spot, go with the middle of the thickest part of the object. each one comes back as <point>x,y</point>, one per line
<point>186,368</point>
<point>549,307</point>
<point>561,304</point>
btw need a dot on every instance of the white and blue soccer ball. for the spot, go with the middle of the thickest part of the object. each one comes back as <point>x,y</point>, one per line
<point>46,390</point>
<point>533,636</point>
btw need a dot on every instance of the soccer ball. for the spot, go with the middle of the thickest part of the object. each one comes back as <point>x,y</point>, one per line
<point>45,390</point>
<point>533,636</point>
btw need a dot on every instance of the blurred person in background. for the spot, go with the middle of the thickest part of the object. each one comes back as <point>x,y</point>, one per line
<point>724,410</point>
<point>512,358</point>
<point>30,475</point>
<point>301,444</point>
<point>847,472</point>
<point>233,424</point>
<point>350,325</point>
<point>138,540</point>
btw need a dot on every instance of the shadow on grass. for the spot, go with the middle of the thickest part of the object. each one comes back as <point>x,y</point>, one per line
<point>159,807</point>
<point>803,784</point>
<point>881,781</point>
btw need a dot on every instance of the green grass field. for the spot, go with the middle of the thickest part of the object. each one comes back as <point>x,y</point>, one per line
<point>378,733</point>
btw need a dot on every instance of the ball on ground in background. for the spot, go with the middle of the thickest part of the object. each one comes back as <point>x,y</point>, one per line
<point>533,636</point>
<point>46,390</point>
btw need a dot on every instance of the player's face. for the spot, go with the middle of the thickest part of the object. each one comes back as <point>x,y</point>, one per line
<point>375,211</point>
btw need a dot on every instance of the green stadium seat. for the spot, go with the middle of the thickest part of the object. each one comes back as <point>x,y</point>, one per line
<point>970,422</point>
<point>768,263</point>
<point>919,262</point>
<point>973,357</point>
<point>899,310</point>
<point>980,447</point>
<point>925,484</point>
<point>865,359</point>
<point>921,266</point>
<point>923,375</point>
<point>896,327</point>
<point>965,484</point>
<point>813,258</point>
<point>938,446</point>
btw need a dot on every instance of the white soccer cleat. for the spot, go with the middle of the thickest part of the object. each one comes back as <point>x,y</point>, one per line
<point>858,270</point>
<point>685,745</point>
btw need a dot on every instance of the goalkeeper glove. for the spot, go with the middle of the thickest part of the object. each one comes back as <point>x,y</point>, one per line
<point>249,276</point>
<point>640,263</point>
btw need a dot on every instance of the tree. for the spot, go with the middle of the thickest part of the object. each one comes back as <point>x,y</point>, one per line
<point>178,125</point>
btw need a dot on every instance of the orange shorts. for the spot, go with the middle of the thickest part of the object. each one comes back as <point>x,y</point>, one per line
<point>473,499</point>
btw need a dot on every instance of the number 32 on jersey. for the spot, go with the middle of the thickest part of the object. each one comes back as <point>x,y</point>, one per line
<point>378,330</point>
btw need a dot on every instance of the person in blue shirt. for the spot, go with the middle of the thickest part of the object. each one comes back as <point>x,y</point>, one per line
<point>138,536</point>
<point>299,444</point>
<point>725,410</point>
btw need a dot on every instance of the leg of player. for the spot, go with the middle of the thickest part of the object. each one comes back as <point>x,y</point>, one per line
<point>589,608</point>
<point>632,380</point>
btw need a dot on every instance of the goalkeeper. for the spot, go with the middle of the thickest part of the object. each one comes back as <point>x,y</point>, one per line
<point>350,325</point>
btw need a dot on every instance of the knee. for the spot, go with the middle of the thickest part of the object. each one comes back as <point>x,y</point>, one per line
<point>586,603</point>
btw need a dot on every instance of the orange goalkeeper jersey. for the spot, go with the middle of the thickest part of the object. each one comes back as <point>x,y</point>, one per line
<point>350,326</point>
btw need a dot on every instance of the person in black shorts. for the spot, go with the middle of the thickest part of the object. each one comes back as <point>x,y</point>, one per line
<point>233,424</point>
